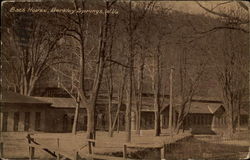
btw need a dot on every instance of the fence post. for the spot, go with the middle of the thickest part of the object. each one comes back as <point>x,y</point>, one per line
<point>124,151</point>
<point>1,149</point>
<point>58,155</point>
<point>31,149</point>
<point>31,152</point>
<point>76,155</point>
<point>90,144</point>
<point>163,152</point>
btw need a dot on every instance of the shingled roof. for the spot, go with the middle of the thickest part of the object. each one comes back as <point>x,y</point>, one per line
<point>57,102</point>
<point>205,108</point>
<point>12,97</point>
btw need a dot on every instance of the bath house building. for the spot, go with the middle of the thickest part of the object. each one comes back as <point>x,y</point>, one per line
<point>26,113</point>
<point>56,114</point>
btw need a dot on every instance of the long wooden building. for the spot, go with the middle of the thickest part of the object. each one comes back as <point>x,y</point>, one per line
<point>56,114</point>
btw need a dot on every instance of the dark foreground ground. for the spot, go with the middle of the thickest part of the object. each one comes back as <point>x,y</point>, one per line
<point>195,149</point>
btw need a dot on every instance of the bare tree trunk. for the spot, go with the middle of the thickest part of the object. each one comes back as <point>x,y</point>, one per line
<point>139,95</point>
<point>238,114</point>
<point>179,120</point>
<point>118,124</point>
<point>110,100</point>
<point>248,126</point>
<point>156,87</point>
<point>170,114</point>
<point>91,122</point>
<point>128,105</point>
<point>74,128</point>
<point>157,122</point>
<point>110,114</point>
<point>248,77</point>
<point>230,118</point>
<point>120,99</point>
<point>178,126</point>
<point>97,82</point>
<point>129,82</point>
<point>157,115</point>
<point>110,81</point>
<point>98,75</point>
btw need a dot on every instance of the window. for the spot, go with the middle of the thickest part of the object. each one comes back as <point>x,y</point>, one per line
<point>221,121</point>
<point>202,118</point>
<point>224,120</point>
<point>194,120</point>
<point>65,123</point>
<point>205,119</point>
<point>5,121</point>
<point>16,121</point>
<point>72,120</point>
<point>38,121</point>
<point>26,121</point>
<point>163,120</point>
<point>190,120</point>
<point>198,119</point>
<point>85,121</point>
<point>208,119</point>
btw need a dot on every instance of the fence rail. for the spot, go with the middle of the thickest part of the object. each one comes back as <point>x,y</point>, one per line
<point>56,152</point>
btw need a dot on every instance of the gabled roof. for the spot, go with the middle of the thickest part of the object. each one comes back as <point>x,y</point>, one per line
<point>203,107</point>
<point>206,108</point>
<point>213,107</point>
<point>206,99</point>
<point>12,97</point>
<point>59,102</point>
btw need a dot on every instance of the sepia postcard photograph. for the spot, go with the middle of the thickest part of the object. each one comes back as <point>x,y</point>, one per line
<point>124,80</point>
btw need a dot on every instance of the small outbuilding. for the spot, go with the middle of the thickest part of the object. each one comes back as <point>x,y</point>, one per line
<point>46,114</point>
<point>23,113</point>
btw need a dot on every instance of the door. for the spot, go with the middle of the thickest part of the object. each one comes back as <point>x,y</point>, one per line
<point>26,121</point>
<point>5,121</point>
<point>16,121</point>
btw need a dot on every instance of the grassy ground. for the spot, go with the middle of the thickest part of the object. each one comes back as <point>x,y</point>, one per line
<point>16,146</point>
<point>213,147</point>
<point>202,147</point>
<point>199,147</point>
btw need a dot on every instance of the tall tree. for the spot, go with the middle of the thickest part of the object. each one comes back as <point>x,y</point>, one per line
<point>234,19</point>
<point>30,46</point>
<point>132,22</point>
<point>79,29</point>
<point>232,77</point>
<point>188,85</point>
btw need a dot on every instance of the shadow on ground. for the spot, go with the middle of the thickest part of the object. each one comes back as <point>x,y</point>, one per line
<point>191,149</point>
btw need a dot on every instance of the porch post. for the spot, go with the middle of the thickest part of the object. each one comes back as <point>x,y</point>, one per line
<point>161,120</point>
<point>21,122</point>
<point>10,121</point>
<point>1,121</point>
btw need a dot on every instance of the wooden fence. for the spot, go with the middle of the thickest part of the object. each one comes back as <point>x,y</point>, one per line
<point>59,154</point>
